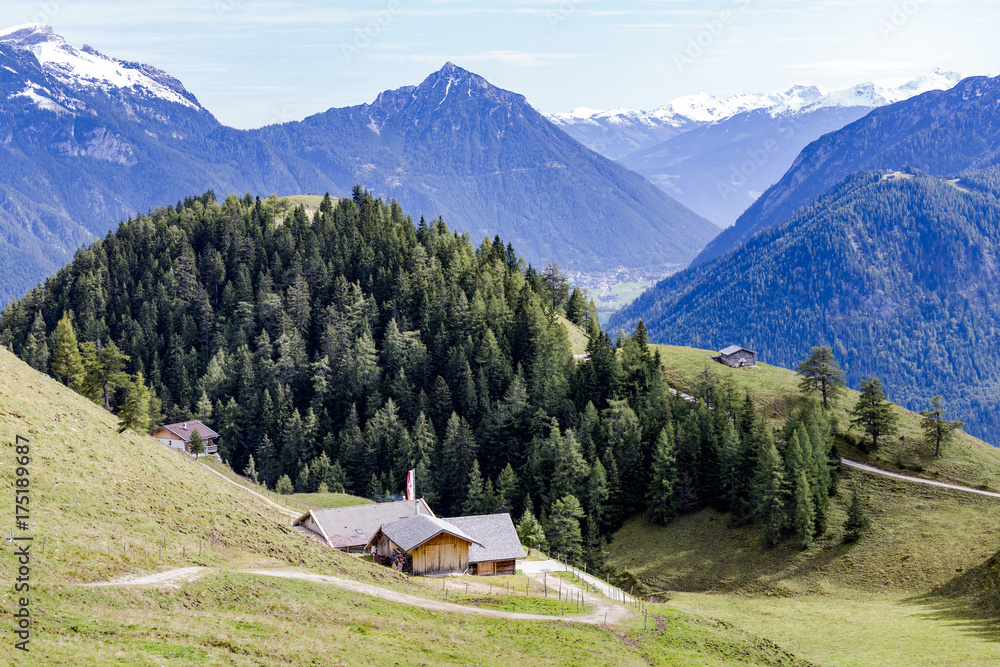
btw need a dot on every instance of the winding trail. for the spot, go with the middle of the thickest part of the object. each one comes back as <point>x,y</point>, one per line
<point>169,578</point>
<point>602,611</point>
<point>539,567</point>
<point>878,471</point>
<point>602,608</point>
<point>285,510</point>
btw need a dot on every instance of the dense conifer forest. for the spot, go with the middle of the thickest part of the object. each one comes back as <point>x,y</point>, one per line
<point>337,351</point>
<point>896,272</point>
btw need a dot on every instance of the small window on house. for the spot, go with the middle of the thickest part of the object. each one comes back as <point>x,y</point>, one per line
<point>359,531</point>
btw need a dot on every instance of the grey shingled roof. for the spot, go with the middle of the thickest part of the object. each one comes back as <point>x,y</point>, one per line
<point>496,533</point>
<point>342,524</point>
<point>732,349</point>
<point>408,534</point>
<point>184,430</point>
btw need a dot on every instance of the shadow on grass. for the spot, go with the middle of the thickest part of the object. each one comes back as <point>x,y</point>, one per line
<point>708,556</point>
<point>958,613</point>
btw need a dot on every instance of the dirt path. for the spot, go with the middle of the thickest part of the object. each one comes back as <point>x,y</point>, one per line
<point>170,578</point>
<point>918,480</point>
<point>539,567</point>
<point>291,513</point>
<point>603,611</point>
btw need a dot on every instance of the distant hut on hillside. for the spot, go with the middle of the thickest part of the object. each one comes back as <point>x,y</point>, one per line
<point>735,356</point>
<point>179,436</point>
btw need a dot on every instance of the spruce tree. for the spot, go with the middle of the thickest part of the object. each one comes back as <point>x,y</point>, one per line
<point>769,492</point>
<point>474,496</point>
<point>564,536</point>
<point>873,413</point>
<point>507,488</point>
<point>857,520</point>
<point>805,516</point>
<point>250,472</point>
<point>197,444</point>
<point>661,498</point>
<point>36,348</point>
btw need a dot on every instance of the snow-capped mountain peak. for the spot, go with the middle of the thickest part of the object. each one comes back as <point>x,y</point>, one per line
<point>88,68</point>
<point>707,108</point>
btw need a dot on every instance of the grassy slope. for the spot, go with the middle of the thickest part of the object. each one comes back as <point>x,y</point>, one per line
<point>300,502</point>
<point>859,604</point>
<point>969,461</point>
<point>578,338</point>
<point>104,501</point>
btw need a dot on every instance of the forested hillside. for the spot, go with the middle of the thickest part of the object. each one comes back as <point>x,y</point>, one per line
<point>942,132</point>
<point>348,348</point>
<point>897,272</point>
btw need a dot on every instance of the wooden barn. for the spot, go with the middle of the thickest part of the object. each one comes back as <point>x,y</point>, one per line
<point>433,545</point>
<point>735,356</point>
<point>499,546</point>
<point>350,528</point>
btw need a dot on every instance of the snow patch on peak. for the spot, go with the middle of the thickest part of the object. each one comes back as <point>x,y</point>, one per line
<point>27,33</point>
<point>708,108</point>
<point>89,68</point>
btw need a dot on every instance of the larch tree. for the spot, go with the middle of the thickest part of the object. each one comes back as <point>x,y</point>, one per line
<point>937,430</point>
<point>134,414</point>
<point>66,364</point>
<point>821,373</point>
<point>529,530</point>
<point>103,370</point>
<point>197,444</point>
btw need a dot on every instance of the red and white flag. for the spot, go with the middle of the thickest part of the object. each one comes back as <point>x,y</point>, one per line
<point>410,485</point>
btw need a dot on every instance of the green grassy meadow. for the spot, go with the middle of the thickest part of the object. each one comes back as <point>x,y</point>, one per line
<point>920,588</point>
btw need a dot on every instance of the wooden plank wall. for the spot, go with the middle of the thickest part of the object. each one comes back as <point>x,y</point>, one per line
<point>444,553</point>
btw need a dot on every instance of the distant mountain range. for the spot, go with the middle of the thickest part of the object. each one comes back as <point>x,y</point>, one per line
<point>942,132</point>
<point>717,155</point>
<point>87,140</point>
<point>895,269</point>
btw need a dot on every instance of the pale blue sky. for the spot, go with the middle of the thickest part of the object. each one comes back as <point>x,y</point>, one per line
<point>254,62</point>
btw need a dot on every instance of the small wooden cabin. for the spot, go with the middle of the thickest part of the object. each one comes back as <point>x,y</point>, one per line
<point>433,545</point>
<point>500,548</point>
<point>735,356</point>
